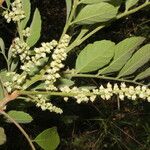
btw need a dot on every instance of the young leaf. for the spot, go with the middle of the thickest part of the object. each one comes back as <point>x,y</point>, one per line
<point>14,64</point>
<point>68,6</point>
<point>35,29</point>
<point>94,13</point>
<point>26,7</point>
<point>20,116</point>
<point>95,56</point>
<point>93,1</point>
<point>130,3</point>
<point>8,3</point>
<point>143,75</point>
<point>2,136</point>
<point>48,139</point>
<point>2,46</point>
<point>123,52</point>
<point>138,59</point>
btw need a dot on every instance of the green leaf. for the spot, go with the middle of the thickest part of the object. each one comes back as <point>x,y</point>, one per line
<point>35,29</point>
<point>20,116</point>
<point>26,7</point>
<point>14,64</point>
<point>95,13</point>
<point>2,136</point>
<point>93,1</point>
<point>8,3</point>
<point>2,46</point>
<point>48,139</point>
<point>130,3</point>
<point>95,56</point>
<point>138,59</point>
<point>68,6</point>
<point>123,52</point>
<point>143,75</point>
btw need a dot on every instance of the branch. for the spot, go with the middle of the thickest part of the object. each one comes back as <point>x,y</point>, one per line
<point>7,99</point>
<point>133,10</point>
<point>102,77</point>
<point>20,128</point>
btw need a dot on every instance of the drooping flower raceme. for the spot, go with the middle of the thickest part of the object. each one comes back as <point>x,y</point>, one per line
<point>41,101</point>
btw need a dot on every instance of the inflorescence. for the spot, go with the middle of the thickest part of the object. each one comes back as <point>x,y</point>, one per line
<point>58,56</point>
<point>16,13</point>
<point>86,95</point>
<point>41,101</point>
<point>39,54</point>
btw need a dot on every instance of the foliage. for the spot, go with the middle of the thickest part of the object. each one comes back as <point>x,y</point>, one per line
<point>34,74</point>
<point>48,139</point>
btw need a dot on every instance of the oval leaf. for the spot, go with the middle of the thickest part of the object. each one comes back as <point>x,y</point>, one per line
<point>95,56</point>
<point>20,116</point>
<point>123,52</point>
<point>130,3</point>
<point>143,75</point>
<point>138,59</point>
<point>48,139</point>
<point>35,28</point>
<point>2,136</point>
<point>26,7</point>
<point>95,13</point>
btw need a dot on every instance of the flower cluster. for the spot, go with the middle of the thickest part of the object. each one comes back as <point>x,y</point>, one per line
<point>21,49</point>
<point>26,32</point>
<point>16,13</point>
<point>41,102</point>
<point>85,95</point>
<point>80,94</point>
<point>39,54</point>
<point>56,64</point>
<point>16,82</point>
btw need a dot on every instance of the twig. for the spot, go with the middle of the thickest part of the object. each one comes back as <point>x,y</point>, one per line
<point>20,128</point>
